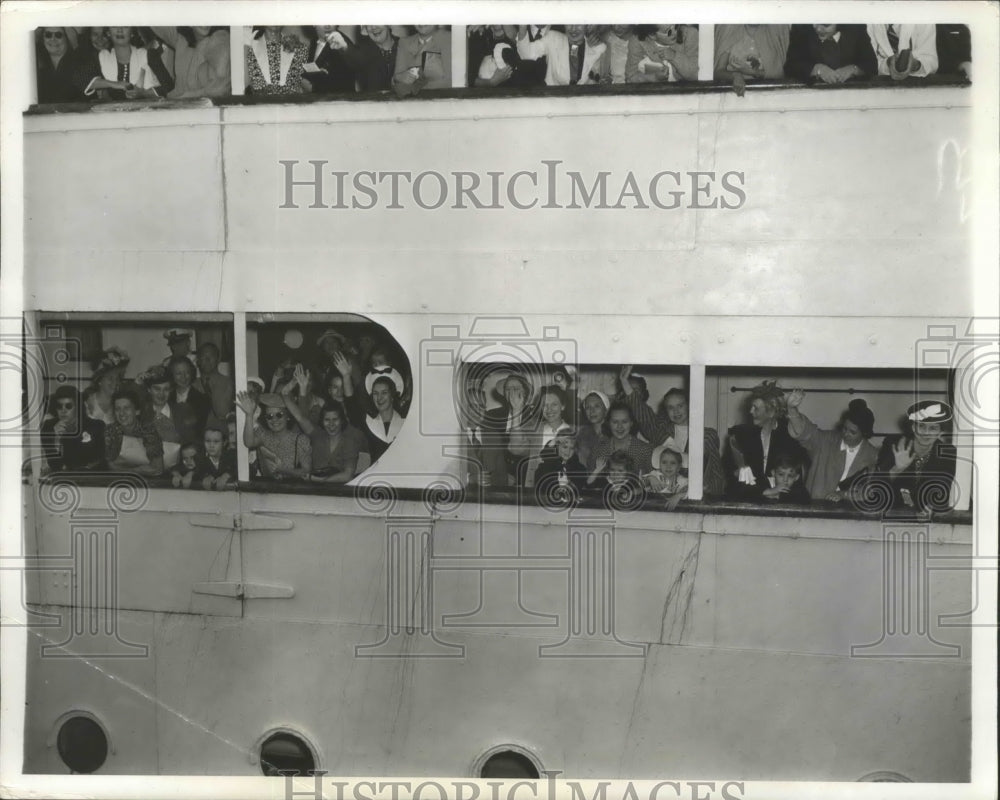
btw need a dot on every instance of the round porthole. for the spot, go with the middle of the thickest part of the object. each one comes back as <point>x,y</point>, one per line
<point>884,776</point>
<point>507,761</point>
<point>82,744</point>
<point>284,752</point>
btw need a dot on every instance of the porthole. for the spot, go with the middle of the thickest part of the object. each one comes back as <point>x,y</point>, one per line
<point>284,752</point>
<point>82,744</point>
<point>507,761</point>
<point>885,776</point>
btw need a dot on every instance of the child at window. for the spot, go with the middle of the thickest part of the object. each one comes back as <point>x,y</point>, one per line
<point>786,481</point>
<point>616,470</point>
<point>668,476</point>
<point>183,474</point>
<point>561,465</point>
<point>217,469</point>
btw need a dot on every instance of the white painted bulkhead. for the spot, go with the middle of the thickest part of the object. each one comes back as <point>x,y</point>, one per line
<point>748,620</point>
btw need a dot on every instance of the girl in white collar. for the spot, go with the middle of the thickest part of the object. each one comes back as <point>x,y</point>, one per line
<point>384,426</point>
<point>124,69</point>
<point>275,59</point>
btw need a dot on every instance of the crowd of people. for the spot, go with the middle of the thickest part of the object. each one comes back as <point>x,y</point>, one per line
<point>324,59</point>
<point>560,439</point>
<point>326,417</point>
<point>836,54</point>
<point>174,419</point>
<point>563,438</point>
<point>331,409</point>
<point>126,63</point>
<point>322,418</point>
<point>76,65</point>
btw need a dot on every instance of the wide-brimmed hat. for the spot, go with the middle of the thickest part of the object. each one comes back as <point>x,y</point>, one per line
<point>152,376</point>
<point>272,400</point>
<point>330,333</point>
<point>929,411</point>
<point>658,451</point>
<point>175,335</point>
<point>111,359</point>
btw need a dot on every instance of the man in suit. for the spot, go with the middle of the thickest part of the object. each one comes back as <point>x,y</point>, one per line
<point>572,58</point>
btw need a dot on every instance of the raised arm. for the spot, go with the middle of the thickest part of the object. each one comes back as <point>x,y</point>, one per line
<point>797,421</point>
<point>249,406</point>
<point>293,408</point>
<point>653,428</point>
<point>300,377</point>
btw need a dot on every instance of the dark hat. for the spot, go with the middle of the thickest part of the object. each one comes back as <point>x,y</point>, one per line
<point>929,411</point>
<point>862,416</point>
<point>64,392</point>
<point>506,55</point>
<point>173,336</point>
<point>111,359</point>
<point>330,333</point>
<point>153,375</point>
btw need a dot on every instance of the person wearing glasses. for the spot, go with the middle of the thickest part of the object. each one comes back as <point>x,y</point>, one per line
<point>70,439</point>
<point>59,66</point>
<point>282,452</point>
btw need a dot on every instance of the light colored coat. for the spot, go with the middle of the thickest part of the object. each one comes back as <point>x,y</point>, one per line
<point>554,46</point>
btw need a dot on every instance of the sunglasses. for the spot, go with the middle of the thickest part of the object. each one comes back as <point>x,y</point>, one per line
<point>275,415</point>
<point>68,404</point>
<point>53,34</point>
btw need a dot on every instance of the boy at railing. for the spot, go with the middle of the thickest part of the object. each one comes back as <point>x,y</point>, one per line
<point>183,474</point>
<point>786,481</point>
<point>217,468</point>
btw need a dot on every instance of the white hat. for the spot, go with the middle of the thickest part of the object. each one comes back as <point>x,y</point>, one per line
<point>384,372</point>
<point>670,445</point>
